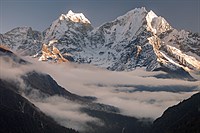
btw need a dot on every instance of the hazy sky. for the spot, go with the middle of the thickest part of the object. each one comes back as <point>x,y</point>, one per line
<point>39,14</point>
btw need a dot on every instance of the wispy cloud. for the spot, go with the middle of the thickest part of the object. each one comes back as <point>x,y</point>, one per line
<point>65,112</point>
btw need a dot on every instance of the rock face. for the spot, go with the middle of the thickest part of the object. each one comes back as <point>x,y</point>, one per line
<point>181,118</point>
<point>50,52</point>
<point>137,39</point>
<point>24,40</point>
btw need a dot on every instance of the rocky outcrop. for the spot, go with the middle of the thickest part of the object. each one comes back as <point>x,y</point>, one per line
<point>51,53</point>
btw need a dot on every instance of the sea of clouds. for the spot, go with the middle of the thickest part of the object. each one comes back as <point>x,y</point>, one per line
<point>109,87</point>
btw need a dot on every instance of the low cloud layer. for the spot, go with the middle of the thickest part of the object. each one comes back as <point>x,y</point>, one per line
<point>65,112</point>
<point>86,80</point>
<point>107,86</point>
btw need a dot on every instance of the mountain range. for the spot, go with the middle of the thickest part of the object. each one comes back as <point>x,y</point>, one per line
<point>138,39</point>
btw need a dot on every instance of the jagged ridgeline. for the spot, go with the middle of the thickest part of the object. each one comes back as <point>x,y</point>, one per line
<point>139,38</point>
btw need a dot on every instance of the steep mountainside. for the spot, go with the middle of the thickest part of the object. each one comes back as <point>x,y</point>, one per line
<point>18,115</point>
<point>137,39</point>
<point>24,40</point>
<point>181,118</point>
<point>6,54</point>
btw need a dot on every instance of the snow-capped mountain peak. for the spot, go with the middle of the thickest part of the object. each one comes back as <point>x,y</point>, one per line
<point>137,39</point>
<point>156,24</point>
<point>133,12</point>
<point>149,19</point>
<point>75,17</point>
<point>70,22</point>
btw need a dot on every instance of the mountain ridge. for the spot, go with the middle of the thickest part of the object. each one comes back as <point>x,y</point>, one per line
<point>137,39</point>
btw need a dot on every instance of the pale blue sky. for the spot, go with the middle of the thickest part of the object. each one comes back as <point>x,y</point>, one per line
<point>39,14</point>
